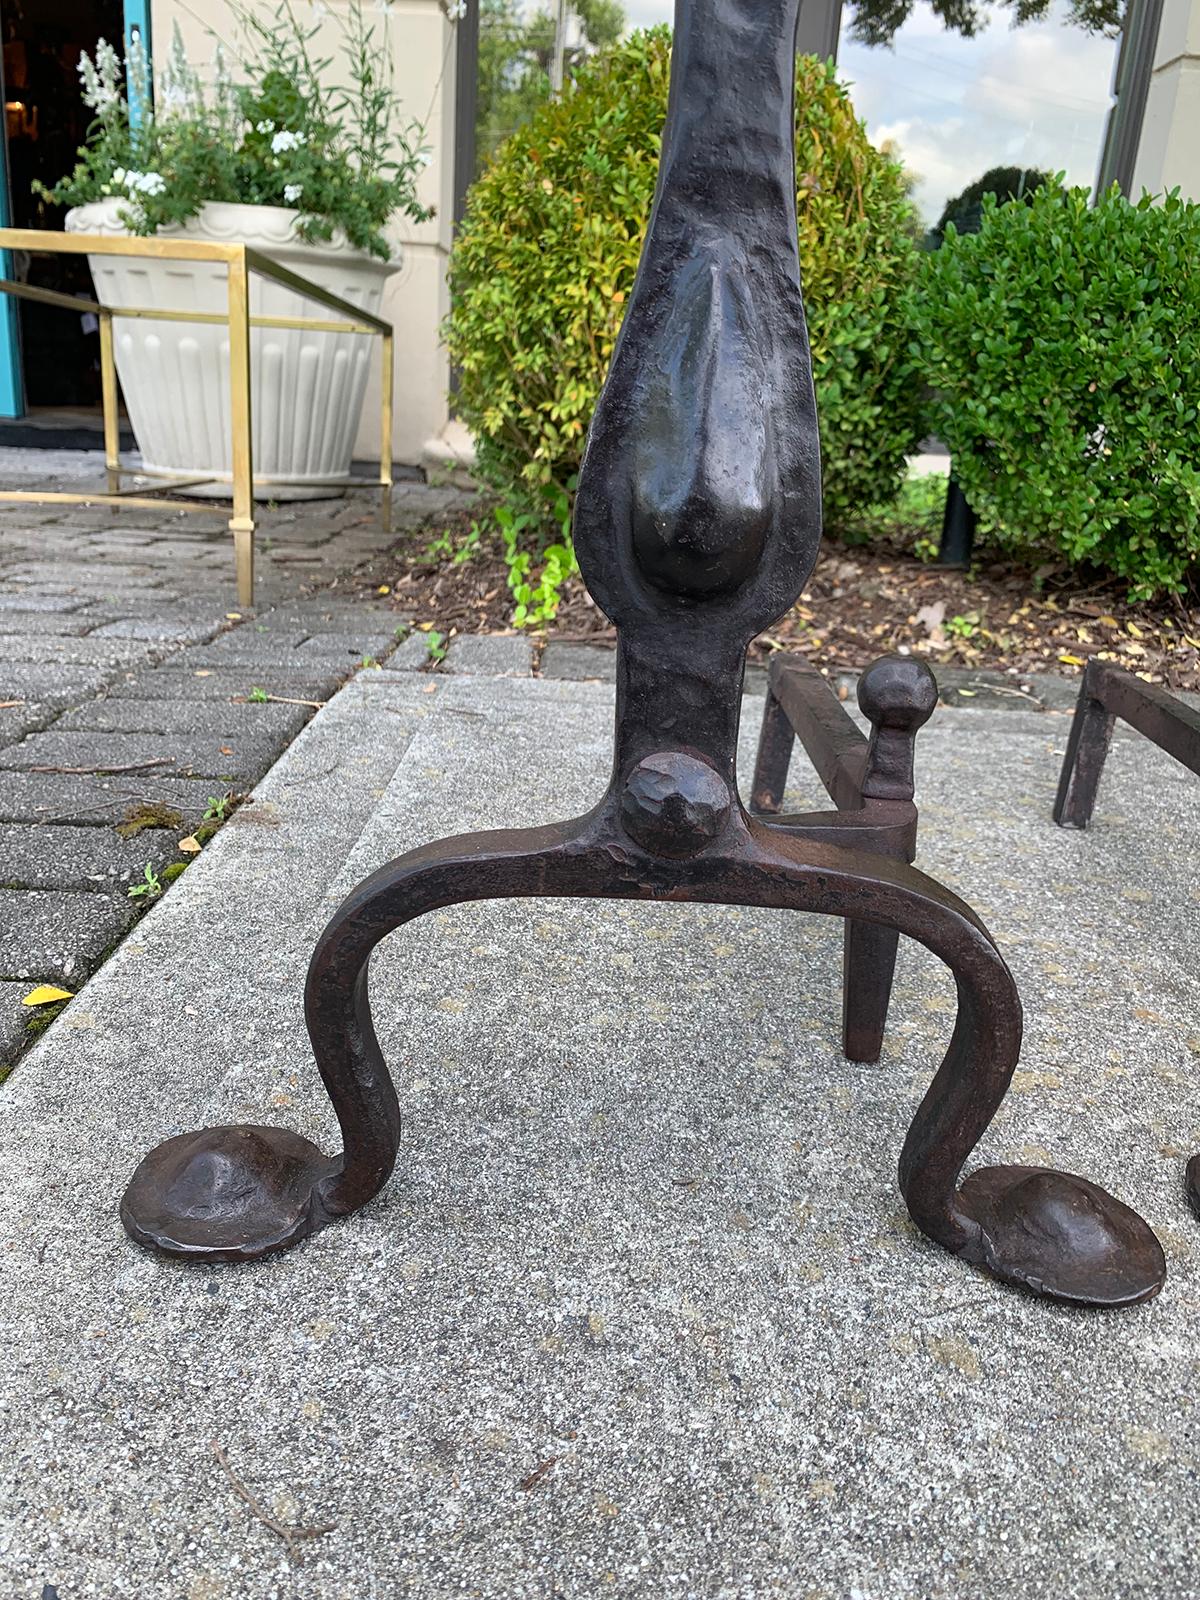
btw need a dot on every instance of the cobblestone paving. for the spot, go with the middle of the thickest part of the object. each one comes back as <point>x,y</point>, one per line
<point>131,677</point>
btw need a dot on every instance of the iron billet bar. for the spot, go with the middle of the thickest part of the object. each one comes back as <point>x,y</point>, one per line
<point>835,746</point>
<point>693,539</point>
<point>242,522</point>
<point>872,828</point>
<point>1171,724</point>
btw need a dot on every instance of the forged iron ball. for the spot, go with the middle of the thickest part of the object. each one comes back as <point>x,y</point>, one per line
<point>673,805</point>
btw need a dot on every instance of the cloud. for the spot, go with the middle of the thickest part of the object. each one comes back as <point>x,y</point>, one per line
<point>1032,96</point>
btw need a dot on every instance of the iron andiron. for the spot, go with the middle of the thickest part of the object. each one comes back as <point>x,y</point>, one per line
<point>696,524</point>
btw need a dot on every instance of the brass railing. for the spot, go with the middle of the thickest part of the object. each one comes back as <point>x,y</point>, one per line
<point>240,261</point>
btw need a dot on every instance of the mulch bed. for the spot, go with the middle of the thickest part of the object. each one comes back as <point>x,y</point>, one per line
<point>861,602</point>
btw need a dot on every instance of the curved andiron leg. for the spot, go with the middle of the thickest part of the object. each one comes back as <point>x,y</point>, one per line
<point>234,1193</point>
<point>1055,1234</point>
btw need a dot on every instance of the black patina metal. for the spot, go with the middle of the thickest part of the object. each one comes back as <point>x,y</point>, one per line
<point>1106,693</point>
<point>697,523</point>
<point>871,783</point>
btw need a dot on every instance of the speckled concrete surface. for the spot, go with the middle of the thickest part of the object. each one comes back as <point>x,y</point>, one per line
<point>641,1314</point>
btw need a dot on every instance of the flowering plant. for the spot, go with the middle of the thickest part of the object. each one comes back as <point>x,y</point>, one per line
<point>344,157</point>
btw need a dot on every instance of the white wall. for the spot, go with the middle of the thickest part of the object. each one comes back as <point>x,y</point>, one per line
<point>416,300</point>
<point>1169,152</point>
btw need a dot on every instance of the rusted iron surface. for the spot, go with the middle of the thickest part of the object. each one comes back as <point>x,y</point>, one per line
<point>696,524</point>
<point>871,783</point>
<point>1106,693</point>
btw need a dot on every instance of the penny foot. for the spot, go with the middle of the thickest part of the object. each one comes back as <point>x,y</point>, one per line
<point>1062,1237</point>
<point>225,1194</point>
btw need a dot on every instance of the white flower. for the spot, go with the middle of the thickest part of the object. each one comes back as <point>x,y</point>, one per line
<point>140,182</point>
<point>424,157</point>
<point>264,127</point>
<point>456,10</point>
<point>292,192</point>
<point>286,140</point>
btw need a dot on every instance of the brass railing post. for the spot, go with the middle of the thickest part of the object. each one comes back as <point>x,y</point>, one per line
<point>386,379</point>
<point>242,522</point>
<point>108,402</point>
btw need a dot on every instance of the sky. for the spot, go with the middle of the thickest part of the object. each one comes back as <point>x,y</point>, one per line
<point>1031,96</point>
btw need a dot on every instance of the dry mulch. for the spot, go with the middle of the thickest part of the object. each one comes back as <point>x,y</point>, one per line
<point>861,602</point>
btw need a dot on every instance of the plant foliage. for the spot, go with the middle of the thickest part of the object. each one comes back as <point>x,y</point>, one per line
<point>876,22</point>
<point>515,52</point>
<point>344,157</point>
<point>546,259</point>
<point>1063,343</point>
<point>965,210</point>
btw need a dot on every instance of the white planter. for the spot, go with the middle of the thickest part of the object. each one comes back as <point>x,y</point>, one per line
<point>307,388</point>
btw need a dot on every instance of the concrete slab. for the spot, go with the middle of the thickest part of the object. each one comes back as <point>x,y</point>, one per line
<point>125,654</point>
<point>58,937</point>
<point>240,760</point>
<point>50,684</point>
<point>640,1313</point>
<point>168,629</point>
<point>580,662</point>
<point>57,856</point>
<point>98,802</point>
<point>490,656</point>
<point>13,1017</point>
<point>22,718</point>
<point>217,718</point>
<point>227,684</point>
<point>43,624</point>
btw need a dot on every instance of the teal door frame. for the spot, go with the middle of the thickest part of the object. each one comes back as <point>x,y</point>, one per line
<point>12,384</point>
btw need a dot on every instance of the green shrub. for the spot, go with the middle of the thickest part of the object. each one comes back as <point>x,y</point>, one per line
<point>1063,343</point>
<point>549,248</point>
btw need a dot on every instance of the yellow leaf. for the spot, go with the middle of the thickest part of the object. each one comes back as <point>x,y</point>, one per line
<point>1072,661</point>
<point>202,674</point>
<point>233,616</point>
<point>384,588</point>
<point>46,995</point>
<point>1132,627</point>
<point>1109,622</point>
<point>191,845</point>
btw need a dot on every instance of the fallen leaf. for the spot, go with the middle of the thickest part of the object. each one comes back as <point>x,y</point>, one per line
<point>932,617</point>
<point>1071,661</point>
<point>46,995</point>
<point>233,616</point>
<point>1109,622</point>
<point>225,749</point>
<point>202,674</point>
<point>384,588</point>
<point>191,845</point>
